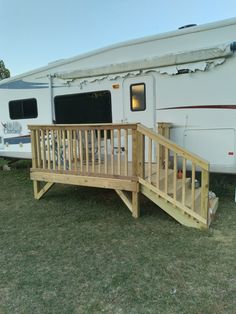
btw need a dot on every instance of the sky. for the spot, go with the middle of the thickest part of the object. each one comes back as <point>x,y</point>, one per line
<point>37,32</point>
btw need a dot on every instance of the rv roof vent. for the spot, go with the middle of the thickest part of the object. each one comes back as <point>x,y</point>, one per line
<point>187,26</point>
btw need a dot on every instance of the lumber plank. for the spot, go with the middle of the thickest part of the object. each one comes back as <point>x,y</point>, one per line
<point>100,182</point>
<point>174,212</point>
<point>125,199</point>
<point>171,200</point>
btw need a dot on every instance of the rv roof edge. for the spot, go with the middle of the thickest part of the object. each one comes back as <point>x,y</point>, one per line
<point>211,53</point>
<point>166,35</point>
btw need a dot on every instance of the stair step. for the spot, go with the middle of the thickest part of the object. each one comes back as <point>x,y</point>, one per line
<point>178,188</point>
<point>213,206</point>
<point>188,199</point>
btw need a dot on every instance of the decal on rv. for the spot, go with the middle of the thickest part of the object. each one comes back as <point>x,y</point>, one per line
<point>12,127</point>
<point>20,84</point>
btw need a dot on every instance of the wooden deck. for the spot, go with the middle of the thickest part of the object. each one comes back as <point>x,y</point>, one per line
<point>128,158</point>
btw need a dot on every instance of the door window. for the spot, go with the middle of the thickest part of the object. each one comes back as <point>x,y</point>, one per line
<point>138,97</point>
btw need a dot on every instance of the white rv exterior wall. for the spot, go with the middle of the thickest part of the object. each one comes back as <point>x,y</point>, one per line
<point>214,86</point>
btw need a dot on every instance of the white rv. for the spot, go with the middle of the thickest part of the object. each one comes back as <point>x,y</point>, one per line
<point>185,77</point>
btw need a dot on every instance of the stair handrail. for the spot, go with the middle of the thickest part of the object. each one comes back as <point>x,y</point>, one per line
<point>197,162</point>
<point>204,164</point>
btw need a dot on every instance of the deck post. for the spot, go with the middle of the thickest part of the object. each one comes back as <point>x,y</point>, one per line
<point>134,152</point>
<point>140,154</point>
<point>135,204</point>
<point>36,186</point>
<point>204,193</point>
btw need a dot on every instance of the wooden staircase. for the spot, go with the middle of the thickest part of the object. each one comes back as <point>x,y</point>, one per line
<point>129,158</point>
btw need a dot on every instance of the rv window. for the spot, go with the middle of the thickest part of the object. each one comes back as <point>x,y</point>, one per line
<point>23,109</point>
<point>92,107</point>
<point>138,97</point>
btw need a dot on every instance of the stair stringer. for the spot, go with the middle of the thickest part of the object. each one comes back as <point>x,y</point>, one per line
<point>175,212</point>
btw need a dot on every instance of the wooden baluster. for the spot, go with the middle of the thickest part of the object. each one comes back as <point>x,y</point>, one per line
<point>175,178</point>
<point>193,187</point>
<point>81,150</point>
<point>64,148</point>
<point>99,151</point>
<point>184,182</point>
<point>119,151</point>
<point>53,150</point>
<point>126,152</point>
<point>205,194</point>
<point>158,169</point>
<point>43,148</point>
<point>135,150</point>
<point>105,149</point>
<point>59,149</point>
<point>38,149</point>
<point>112,151</point>
<point>140,155</point>
<point>48,149</point>
<point>166,169</point>
<point>149,160</point>
<point>69,144</point>
<point>75,149</point>
<point>93,151</point>
<point>34,149</point>
<point>87,150</point>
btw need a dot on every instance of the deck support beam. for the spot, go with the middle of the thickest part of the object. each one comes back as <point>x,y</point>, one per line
<point>133,204</point>
<point>38,191</point>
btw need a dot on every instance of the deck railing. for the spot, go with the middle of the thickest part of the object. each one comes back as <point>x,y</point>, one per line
<point>105,150</point>
<point>173,178</point>
<point>125,151</point>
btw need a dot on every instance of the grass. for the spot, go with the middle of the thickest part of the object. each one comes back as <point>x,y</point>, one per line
<point>78,250</point>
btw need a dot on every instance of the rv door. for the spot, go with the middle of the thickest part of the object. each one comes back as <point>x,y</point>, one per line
<point>139,100</point>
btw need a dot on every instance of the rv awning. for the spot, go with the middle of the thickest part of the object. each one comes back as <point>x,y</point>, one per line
<point>197,58</point>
